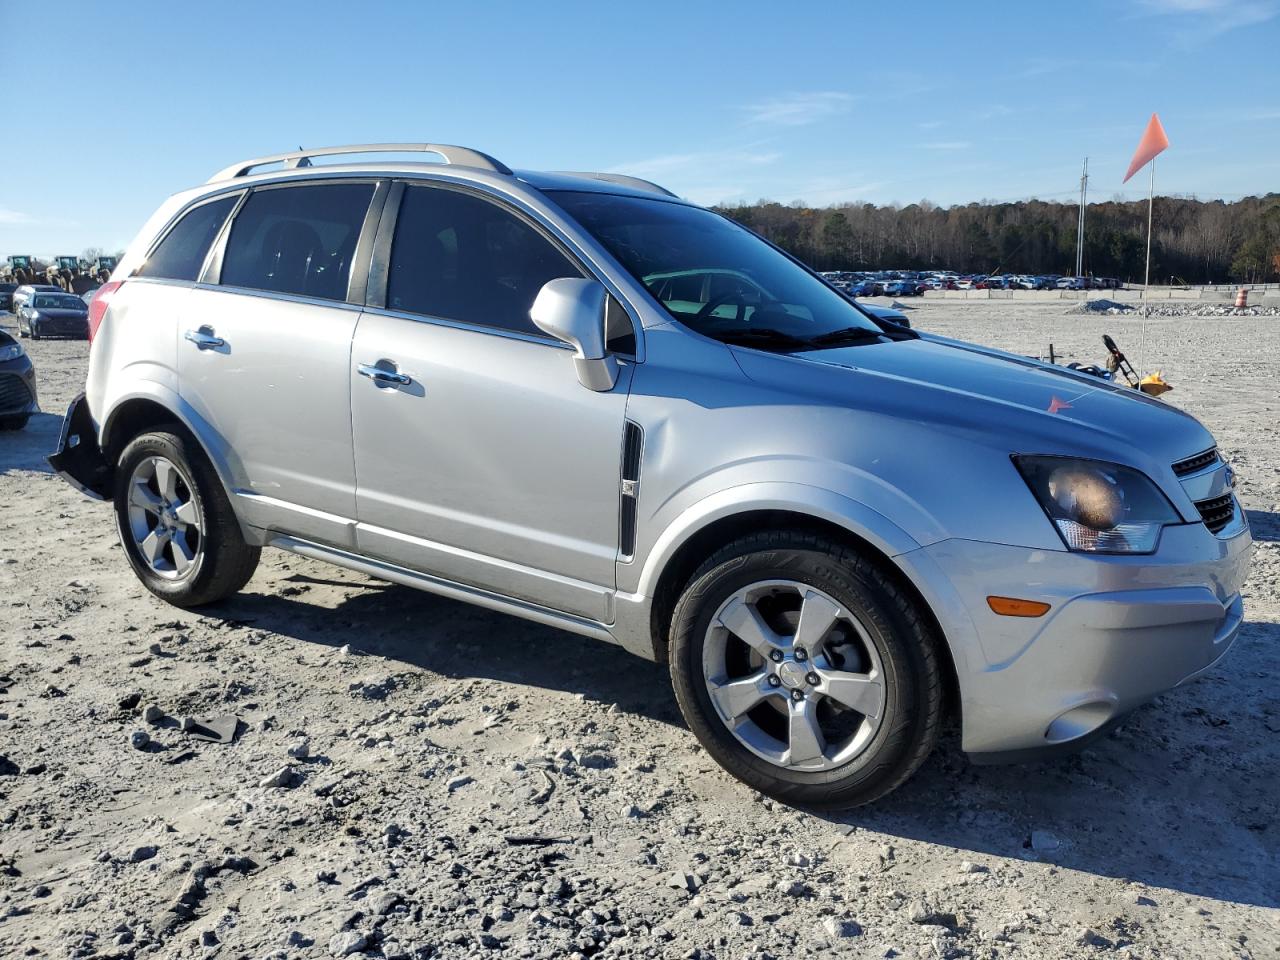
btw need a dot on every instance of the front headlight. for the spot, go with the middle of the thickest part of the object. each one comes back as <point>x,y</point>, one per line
<point>12,352</point>
<point>1098,507</point>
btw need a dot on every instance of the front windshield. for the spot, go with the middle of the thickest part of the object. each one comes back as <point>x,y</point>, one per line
<point>717,278</point>
<point>58,303</point>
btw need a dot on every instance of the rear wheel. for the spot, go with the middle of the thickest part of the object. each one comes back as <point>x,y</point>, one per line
<point>175,522</point>
<point>805,671</point>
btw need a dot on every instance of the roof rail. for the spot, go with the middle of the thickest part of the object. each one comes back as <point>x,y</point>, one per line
<point>461,156</point>
<point>622,180</point>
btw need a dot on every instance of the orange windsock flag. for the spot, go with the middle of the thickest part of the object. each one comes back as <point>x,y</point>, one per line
<point>1152,143</point>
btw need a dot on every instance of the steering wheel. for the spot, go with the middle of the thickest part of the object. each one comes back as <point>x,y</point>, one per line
<point>731,297</point>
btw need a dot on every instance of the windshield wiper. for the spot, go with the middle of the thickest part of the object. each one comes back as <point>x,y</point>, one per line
<point>753,336</point>
<point>847,335</point>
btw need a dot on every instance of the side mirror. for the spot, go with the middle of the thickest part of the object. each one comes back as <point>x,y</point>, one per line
<point>573,311</point>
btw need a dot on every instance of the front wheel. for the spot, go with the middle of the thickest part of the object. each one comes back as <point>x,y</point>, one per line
<point>14,423</point>
<point>805,671</point>
<point>175,522</point>
<point>34,327</point>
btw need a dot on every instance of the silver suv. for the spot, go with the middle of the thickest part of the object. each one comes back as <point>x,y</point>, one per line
<point>576,398</point>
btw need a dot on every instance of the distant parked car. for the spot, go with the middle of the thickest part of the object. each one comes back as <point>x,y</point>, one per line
<point>6,295</point>
<point>25,292</point>
<point>54,315</point>
<point>17,385</point>
<point>886,313</point>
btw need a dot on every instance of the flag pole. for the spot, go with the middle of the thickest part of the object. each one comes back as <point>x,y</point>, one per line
<point>1151,198</point>
<point>1146,280</point>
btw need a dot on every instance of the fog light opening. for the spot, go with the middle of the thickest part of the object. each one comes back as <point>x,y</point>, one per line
<point>1080,721</point>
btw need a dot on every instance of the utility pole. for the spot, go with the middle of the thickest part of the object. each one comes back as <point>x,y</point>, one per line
<point>1084,194</point>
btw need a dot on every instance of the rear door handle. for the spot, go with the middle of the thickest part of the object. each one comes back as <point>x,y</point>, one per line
<point>382,374</point>
<point>204,341</point>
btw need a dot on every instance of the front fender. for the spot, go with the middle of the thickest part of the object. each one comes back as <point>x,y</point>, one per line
<point>643,574</point>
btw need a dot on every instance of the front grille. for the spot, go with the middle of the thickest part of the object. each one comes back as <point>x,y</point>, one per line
<point>14,394</point>
<point>1196,463</point>
<point>1217,513</point>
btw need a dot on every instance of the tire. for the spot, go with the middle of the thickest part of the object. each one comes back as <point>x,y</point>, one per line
<point>34,328</point>
<point>878,632</point>
<point>22,333</point>
<point>190,568</point>
<point>14,423</point>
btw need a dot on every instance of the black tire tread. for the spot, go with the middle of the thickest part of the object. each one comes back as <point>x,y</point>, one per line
<point>229,562</point>
<point>885,776</point>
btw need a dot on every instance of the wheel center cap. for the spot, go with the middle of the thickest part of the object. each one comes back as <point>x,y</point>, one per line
<point>792,674</point>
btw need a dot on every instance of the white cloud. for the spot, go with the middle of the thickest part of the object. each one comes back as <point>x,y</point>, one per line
<point>948,145</point>
<point>1212,18</point>
<point>670,164</point>
<point>15,216</point>
<point>799,109</point>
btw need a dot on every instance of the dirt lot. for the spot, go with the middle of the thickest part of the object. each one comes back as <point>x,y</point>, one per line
<point>464,784</point>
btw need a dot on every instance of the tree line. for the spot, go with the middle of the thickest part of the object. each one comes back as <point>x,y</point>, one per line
<point>1193,241</point>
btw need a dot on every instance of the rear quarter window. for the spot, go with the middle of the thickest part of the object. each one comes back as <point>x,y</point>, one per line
<point>181,253</point>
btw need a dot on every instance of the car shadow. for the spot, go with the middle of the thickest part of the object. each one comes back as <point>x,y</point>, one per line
<point>427,631</point>
<point>26,449</point>
<point>1164,791</point>
<point>1189,782</point>
<point>1264,525</point>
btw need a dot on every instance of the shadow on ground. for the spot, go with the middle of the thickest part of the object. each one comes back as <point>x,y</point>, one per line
<point>1166,776</point>
<point>1264,525</point>
<point>27,448</point>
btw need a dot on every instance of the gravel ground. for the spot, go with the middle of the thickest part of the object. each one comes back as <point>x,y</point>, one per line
<point>415,777</point>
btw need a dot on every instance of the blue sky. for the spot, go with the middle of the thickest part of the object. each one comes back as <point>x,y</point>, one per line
<point>719,102</point>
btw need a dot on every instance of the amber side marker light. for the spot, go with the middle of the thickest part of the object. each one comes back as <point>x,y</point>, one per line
<point>1013,607</point>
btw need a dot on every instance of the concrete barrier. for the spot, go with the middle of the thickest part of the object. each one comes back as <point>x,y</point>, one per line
<point>1218,294</point>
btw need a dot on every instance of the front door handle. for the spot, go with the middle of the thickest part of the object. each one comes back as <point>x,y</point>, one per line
<point>203,340</point>
<point>382,374</point>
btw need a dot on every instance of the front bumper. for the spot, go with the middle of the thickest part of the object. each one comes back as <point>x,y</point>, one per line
<point>77,327</point>
<point>18,387</point>
<point>1120,631</point>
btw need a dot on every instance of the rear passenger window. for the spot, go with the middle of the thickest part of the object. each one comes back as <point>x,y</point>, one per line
<point>181,253</point>
<point>458,257</point>
<point>298,240</point>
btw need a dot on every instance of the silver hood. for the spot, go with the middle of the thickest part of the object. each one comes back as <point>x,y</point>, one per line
<point>1004,401</point>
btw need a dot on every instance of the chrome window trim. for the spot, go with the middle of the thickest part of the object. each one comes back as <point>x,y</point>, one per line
<point>508,194</point>
<point>163,235</point>
<point>544,341</point>
<point>212,273</point>
<point>278,295</point>
<point>581,257</point>
<point>213,260</point>
<point>362,256</point>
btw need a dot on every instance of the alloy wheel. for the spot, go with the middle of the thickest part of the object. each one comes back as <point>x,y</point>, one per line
<point>164,520</point>
<point>794,675</point>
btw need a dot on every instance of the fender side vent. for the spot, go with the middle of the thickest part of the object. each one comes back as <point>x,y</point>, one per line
<point>632,447</point>
<point>632,444</point>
